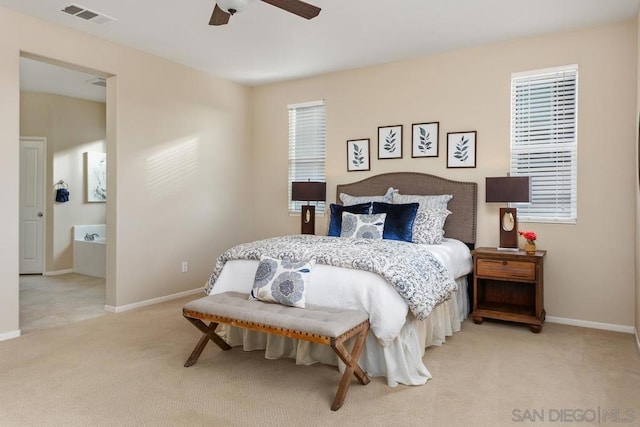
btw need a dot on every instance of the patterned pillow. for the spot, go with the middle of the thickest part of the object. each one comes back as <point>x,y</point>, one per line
<point>428,228</point>
<point>422,232</point>
<point>282,281</point>
<point>335,222</point>
<point>368,226</point>
<point>353,200</point>
<point>436,202</point>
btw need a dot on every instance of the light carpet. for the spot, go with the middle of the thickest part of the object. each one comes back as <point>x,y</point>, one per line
<point>126,369</point>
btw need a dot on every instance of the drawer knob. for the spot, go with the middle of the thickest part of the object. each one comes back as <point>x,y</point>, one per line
<point>504,262</point>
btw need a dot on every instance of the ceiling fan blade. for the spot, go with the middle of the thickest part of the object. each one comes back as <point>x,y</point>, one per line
<point>297,7</point>
<point>219,16</point>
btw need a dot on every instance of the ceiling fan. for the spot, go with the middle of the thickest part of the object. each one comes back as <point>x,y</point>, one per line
<point>225,8</point>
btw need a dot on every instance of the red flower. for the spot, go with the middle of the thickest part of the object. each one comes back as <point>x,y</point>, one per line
<point>530,236</point>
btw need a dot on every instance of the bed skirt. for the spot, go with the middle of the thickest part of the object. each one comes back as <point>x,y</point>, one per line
<point>400,362</point>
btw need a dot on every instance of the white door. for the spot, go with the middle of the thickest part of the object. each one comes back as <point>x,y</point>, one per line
<point>32,179</point>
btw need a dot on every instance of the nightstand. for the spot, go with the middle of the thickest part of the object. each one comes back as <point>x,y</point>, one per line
<point>508,286</point>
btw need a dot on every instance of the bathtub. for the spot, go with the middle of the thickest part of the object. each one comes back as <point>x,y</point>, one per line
<point>90,256</point>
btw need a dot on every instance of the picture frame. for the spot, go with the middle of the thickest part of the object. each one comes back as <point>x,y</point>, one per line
<point>461,149</point>
<point>390,142</point>
<point>96,176</point>
<point>358,155</point>
<point>425,139</point>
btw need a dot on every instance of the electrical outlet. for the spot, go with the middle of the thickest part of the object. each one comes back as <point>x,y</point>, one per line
<point>185,266</point>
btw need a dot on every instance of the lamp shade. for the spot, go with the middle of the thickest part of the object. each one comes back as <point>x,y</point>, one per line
<point>309,191</point>
<point>509,189</point>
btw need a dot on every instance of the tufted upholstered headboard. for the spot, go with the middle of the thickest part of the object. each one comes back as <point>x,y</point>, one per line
<point>461,224</point>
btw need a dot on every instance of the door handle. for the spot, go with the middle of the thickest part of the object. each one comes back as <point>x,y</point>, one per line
<point>40,214</point>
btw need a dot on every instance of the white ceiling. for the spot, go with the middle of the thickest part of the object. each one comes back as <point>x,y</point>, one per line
<point>264,44</point>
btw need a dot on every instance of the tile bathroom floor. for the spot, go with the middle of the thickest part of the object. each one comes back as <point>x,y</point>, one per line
<point>47,301</point>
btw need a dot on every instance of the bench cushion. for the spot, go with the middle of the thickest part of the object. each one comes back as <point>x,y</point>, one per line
<point>325,321</point>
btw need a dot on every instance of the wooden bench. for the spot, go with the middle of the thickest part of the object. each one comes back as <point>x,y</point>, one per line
<point>322,325</point>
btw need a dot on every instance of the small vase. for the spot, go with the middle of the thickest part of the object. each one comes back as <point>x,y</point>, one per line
<point>530,248</point>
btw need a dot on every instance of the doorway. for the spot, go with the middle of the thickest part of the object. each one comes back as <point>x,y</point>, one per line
<point>67,107</point>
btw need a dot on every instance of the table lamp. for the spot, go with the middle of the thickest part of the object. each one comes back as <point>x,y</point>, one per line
<point>508,189</point>
<point>309,191</point>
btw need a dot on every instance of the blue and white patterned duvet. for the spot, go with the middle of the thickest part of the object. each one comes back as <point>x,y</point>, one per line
<point>418,276</point>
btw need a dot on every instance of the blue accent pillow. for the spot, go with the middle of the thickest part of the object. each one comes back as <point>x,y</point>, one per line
<point>399,222</point>
<point>335,223</point>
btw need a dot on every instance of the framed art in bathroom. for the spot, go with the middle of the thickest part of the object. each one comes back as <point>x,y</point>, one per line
<point>96,176</point>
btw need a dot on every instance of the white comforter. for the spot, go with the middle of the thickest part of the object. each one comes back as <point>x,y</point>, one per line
<point>347,288</point>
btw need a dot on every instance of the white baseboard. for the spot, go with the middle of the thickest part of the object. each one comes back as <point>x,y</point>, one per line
<point>57,272</point>
<point>638,341</point>
<point>10,335</point>
<point>151,301</point>
<point>592,325</point>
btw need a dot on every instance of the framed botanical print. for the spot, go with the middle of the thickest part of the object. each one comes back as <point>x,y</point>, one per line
<point>358,158</point>
<point>461,149</point>
<point>390,142</point>
<point>424,137</point>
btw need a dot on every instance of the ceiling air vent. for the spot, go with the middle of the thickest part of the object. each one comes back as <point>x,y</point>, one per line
<point>86,14</point>
<point>98,81</point>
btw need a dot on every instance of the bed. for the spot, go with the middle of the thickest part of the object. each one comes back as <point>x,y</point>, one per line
<point>399,334</point>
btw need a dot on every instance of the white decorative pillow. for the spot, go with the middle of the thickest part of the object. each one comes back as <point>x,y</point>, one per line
<point>425,220</point>
<point>348,200</point>
<point>435,202</point>
<point>282,281</point>
<point>428,227</point>
<point>367,226</point>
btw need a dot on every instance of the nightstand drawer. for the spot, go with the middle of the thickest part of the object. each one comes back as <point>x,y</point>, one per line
<point>506,269</point>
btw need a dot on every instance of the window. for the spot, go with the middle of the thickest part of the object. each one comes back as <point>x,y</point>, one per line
<point>544,142</point>
<point>307,140</point>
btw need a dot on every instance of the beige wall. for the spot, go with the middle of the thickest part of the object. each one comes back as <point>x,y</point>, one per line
<point>637,199</point>
<point>590,265</point>
<point>178,145</point>
<point>72,127</point>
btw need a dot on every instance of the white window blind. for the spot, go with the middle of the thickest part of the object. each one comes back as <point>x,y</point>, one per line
<point>307,141</point>
<point>544,142</point>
